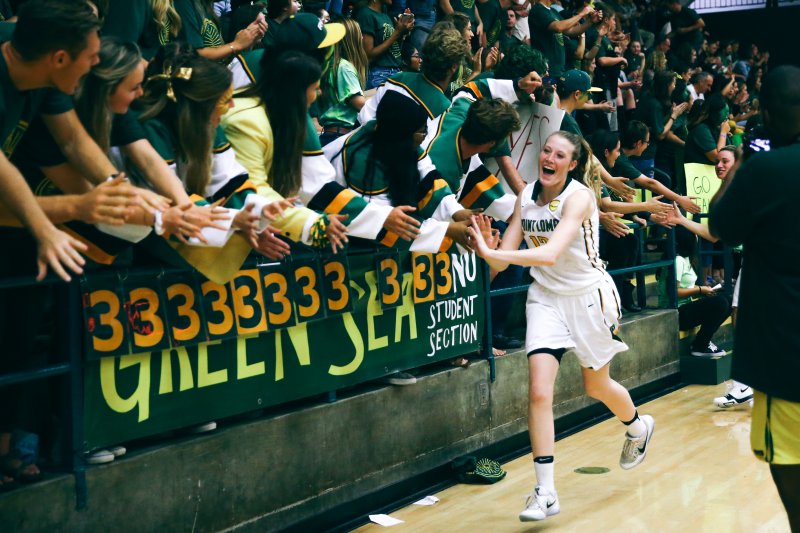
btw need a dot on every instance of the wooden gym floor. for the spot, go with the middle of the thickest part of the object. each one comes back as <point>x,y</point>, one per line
<point>699,476</point>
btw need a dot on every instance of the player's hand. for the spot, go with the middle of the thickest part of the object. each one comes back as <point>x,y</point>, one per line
<point>491,236</point>
<point>478,243</point>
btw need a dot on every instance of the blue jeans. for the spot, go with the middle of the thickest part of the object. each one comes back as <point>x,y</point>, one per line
<point>378,75</point>
<point>423,22</point>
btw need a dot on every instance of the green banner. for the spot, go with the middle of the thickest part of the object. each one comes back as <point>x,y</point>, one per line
<point>302,328</point>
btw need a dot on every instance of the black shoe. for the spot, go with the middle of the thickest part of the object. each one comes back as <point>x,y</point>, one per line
<point>505,343</point>
<point>628,301</point>
<point>631,307</point>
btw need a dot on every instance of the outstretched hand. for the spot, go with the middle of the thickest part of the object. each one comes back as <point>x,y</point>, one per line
<point>404,225</point>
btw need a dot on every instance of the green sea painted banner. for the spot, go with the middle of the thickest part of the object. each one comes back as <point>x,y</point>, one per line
<point>174,350</point>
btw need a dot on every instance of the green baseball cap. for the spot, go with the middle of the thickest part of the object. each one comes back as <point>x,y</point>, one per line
<point>577,80</point>
<point>305,32</point>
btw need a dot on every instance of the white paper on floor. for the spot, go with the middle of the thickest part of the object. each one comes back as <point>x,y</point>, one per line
<point>384,520</point>
<point>427,500</point>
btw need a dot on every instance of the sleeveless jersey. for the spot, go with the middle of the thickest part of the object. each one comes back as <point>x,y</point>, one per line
<point>579,269</point>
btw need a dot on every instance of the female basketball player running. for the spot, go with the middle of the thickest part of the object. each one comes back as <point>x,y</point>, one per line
<point>572,304</point>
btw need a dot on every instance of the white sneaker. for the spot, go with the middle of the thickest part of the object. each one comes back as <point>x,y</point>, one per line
<point>99,457</point>
<point>400,379</point>
<point>635,449</point>
<point>540,504</point>
<point>738,393</point>
<point>709,351</point>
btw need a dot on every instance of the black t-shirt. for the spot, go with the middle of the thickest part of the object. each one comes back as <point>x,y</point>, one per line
<point>132,20</point>
<point>651,112</point>
<point>766,344</point>
<point>19,108</point>
<point>683,19</point>
<point>39,150</point>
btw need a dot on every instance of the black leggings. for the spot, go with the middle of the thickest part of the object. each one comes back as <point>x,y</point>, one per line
<point>709,313</point>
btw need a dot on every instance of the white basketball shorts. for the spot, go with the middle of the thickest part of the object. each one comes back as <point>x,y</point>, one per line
<point>587,323</point>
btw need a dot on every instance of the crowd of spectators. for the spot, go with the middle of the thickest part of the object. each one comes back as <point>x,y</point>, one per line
<point>194,133</point>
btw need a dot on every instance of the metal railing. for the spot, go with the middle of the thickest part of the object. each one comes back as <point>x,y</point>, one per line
<point>70,361</point>
<point>638,270</point>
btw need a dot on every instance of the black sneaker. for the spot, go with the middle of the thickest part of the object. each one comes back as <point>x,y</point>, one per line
<point>709,351</point>
<point>505,343</point>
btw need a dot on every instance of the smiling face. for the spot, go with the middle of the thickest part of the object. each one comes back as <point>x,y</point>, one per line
<point>468,35</point>
<point>128,90</point>
<point>68,71</point>
<point>612,155</point>
<point>725,160</point>
<point>555,161</point>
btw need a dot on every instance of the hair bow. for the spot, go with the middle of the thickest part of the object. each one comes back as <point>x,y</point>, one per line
<point>183,73</point>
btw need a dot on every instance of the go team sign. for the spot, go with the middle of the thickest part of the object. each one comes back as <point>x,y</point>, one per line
<point>174,350</point>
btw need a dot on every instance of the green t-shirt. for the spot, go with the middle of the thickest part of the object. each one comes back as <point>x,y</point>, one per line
<point>494,19</point>
<point>132,20</point>
<point>380,27</point>
<point>550,43</point>
<point>468,8</point>
<point>198,28</point>
<point>568,123</point>
<point>651,112</point>
<point>347,85</point>
<point>624,168</point>
<point>683,19</point>
<point>5,10</point>
<point>6,31</point>
<point>685,276</point>
<point>19,108</point>
<point>701,140</point>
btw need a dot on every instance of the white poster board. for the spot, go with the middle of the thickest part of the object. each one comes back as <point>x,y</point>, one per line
<point>538,122</point>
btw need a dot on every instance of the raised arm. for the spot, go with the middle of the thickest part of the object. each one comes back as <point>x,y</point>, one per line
<point>577,208</point>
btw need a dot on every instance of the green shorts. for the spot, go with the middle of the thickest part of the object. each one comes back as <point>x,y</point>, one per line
<point>775,429</point>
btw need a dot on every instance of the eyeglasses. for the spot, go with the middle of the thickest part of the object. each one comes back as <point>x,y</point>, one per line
<point>415,56</point>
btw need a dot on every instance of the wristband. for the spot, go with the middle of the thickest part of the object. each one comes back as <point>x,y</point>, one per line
<point>158,223</point>
<point>232,49</point>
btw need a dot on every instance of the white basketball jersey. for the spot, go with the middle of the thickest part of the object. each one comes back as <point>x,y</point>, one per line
<point>579,269</point>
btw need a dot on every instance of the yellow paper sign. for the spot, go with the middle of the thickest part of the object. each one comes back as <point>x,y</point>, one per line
<point>702,182</point>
